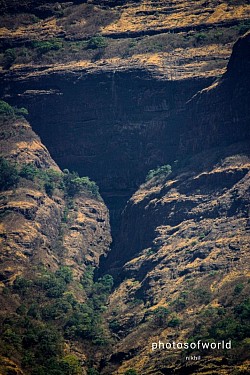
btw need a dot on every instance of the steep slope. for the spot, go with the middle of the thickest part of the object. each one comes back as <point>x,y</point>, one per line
<point>48,237</point>
<point>182,254</point>
<point>186,242</point>
<point>102,78</point>
<point>28,210</point>
<point>115,89</point>
<point>114,35</point>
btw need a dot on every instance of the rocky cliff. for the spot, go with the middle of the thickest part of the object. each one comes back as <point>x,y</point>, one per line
<point>115,89</point>
<point>42,228</point>
<point>182,248</point>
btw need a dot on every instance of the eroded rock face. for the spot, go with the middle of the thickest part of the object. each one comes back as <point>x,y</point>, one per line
<point>180,253</point>
<point>113,127</point>
<point>32,227</point>
<point>215,117</point>
<point>185,243</point>
<point>219,114</point>
<point>43,230</point>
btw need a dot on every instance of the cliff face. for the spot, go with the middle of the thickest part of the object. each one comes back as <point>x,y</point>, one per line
<point>101,79</point>
<point>27,212</point>
<point>183,241</point>
<point>219,114</point>
<point>115,89</point>
<point>86,119</point>
<point>42,228</point>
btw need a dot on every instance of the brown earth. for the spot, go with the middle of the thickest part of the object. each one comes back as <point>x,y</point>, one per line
<point>157,92</point>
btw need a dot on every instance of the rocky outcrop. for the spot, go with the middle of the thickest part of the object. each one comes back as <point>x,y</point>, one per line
<point>43,229</point>
<point>215,117</point>
<point>116,89</point>
<point>89,102</point>
<point>182,247</point>
<point>32,228</point>
<point>219,114</point>
<point>184,242</point>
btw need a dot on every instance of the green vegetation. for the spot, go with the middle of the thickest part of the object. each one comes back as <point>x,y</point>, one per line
<point>163,171</point>
<point>181,302</point>
<point>28,171</point>
<point>92,371</point>
<point>54,50</point>
<point>71,364</point>
<point>238,288</point>
<point>6,110</point>
<point>74,184</point>
<point>174,321</point>
<point>243,27</point>
<point>131,371</point>
<point>44,46</point>
<point>49,179</point>
<point>49,314</point>
<point>9,58</point>
<point>230,323</point>
<point>160,315</point>
<point>9,176</point>
<point>97,41</point>
<point>202,295</point>
<point>200,37</point>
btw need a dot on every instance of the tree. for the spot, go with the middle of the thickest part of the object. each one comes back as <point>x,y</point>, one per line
<point>131,371</point>
<point>71,365</point>
<point>8,174</point>
<point>160,315</point>
<point>97,41</point>
<point>162,171</point>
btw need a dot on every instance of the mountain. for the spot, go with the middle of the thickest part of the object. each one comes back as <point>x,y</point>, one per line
<point>151,101</point>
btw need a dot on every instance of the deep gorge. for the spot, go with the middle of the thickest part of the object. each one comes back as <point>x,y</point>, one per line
<point>177,265</point>
<point>113,127</point>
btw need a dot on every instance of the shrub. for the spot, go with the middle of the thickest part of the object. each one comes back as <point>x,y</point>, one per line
<point>53,285</point>
<point>64,273</point>
<point>243,309</point>
<point>97,41</point>
<point>74,184</point>
<point>6,109</point>
<point>162,171</point>
<point>243,27</point>
<point>43,46</point>
<point>11,337</point>
<point>202,295</point>
<point>179,304</point>
<point>200,37</point>
<point>71,364</point>
<point>130,372</point>
<point>8,174</point>
<point>160,314</point>
<point>9,58</point>
<point>174,322</point>
<point>92,371</point>
<point>238,288</point>
<point>51,179</point>
<point>53,176</point>
<point>34,311</point>
<point>28,171</point>
<point>21,111</point>
<point>114,325</point>
<point>49,188</point>
<point>87,279</point>
<point>55,310</point>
